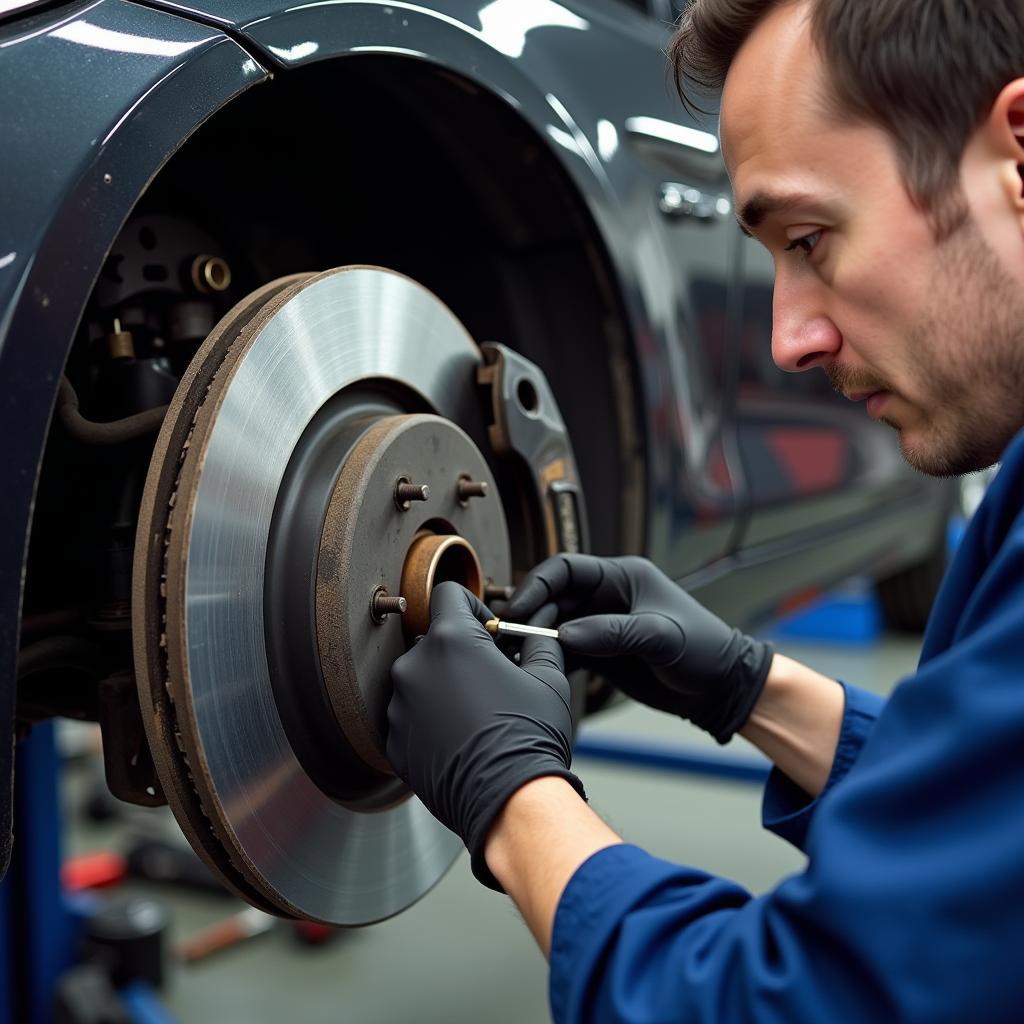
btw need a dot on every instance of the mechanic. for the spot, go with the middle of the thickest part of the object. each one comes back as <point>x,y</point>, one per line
<point>876,148</point>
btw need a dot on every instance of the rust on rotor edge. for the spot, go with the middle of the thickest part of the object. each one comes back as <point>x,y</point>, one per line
<point>158,540</point>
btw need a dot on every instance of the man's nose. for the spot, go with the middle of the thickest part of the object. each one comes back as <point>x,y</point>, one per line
<point>803,337</point>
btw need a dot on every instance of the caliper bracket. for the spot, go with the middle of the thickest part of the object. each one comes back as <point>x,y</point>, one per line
<point>527,432</point>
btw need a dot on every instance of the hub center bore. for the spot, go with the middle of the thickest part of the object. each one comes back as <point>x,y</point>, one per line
<point>436,558</point>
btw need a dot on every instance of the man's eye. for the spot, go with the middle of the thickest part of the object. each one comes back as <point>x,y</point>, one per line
<point>805,243</point>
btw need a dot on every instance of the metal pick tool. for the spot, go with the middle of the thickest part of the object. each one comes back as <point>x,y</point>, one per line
<point>497,627</point>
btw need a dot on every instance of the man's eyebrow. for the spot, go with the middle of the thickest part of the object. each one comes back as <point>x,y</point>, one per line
<point>762,205</point>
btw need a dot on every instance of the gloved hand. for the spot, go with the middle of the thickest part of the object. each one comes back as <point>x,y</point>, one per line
<point>683,659</point>
<point>468,727</point>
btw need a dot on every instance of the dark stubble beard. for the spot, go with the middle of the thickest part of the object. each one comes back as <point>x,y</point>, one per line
<point>966,358</point>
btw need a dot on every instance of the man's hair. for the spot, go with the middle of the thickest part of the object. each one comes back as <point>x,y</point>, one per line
<point>926,71</point>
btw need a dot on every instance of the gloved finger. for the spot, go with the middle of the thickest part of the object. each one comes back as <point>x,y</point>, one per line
<point>559,577</point>
<point>545,616</point>
<point>451,600</point>
<point>650,636</point>
<point>542,652</point>
<point>404,672</point>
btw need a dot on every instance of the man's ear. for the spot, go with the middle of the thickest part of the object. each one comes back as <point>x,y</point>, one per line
<point>1005,131</point>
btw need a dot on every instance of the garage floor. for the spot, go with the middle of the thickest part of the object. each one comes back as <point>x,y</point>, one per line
<point>461,954</point>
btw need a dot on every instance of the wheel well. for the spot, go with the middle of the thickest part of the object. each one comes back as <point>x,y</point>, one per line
<point>396,162</point>
<point>362,160</point>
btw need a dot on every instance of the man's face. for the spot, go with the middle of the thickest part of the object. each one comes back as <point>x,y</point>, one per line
<point>927,333</point>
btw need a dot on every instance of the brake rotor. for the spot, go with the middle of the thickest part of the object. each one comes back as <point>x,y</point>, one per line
<point>269,533</point>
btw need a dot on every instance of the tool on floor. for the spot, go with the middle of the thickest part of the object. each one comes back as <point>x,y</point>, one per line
<point>246,924</point>
<point>97,870</point>
<point>498,627</point>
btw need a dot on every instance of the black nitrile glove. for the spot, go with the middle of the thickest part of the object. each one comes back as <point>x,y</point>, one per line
<point>468,727</point>
<point>683,659</point>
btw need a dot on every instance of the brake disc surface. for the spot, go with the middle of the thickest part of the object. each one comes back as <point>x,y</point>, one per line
<point>225,758</point>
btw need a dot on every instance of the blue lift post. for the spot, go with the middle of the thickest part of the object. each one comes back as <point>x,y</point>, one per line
<point>38,934</point>
<point>41,926</point>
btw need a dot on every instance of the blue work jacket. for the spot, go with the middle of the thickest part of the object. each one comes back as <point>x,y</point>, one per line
<point>912,904</point>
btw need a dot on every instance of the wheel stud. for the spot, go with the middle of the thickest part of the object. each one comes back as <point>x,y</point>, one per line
<point>406,493</point>
<point>382,604</point>
<point>492,592</point>
<point>467,488</point>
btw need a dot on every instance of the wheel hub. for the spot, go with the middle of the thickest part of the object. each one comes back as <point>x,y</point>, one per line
<point>371,541</point>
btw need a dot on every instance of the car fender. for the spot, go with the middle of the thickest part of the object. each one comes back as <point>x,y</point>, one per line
<point>123,87</point>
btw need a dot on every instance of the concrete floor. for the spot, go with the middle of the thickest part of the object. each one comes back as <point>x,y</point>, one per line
<point>462,954</point>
